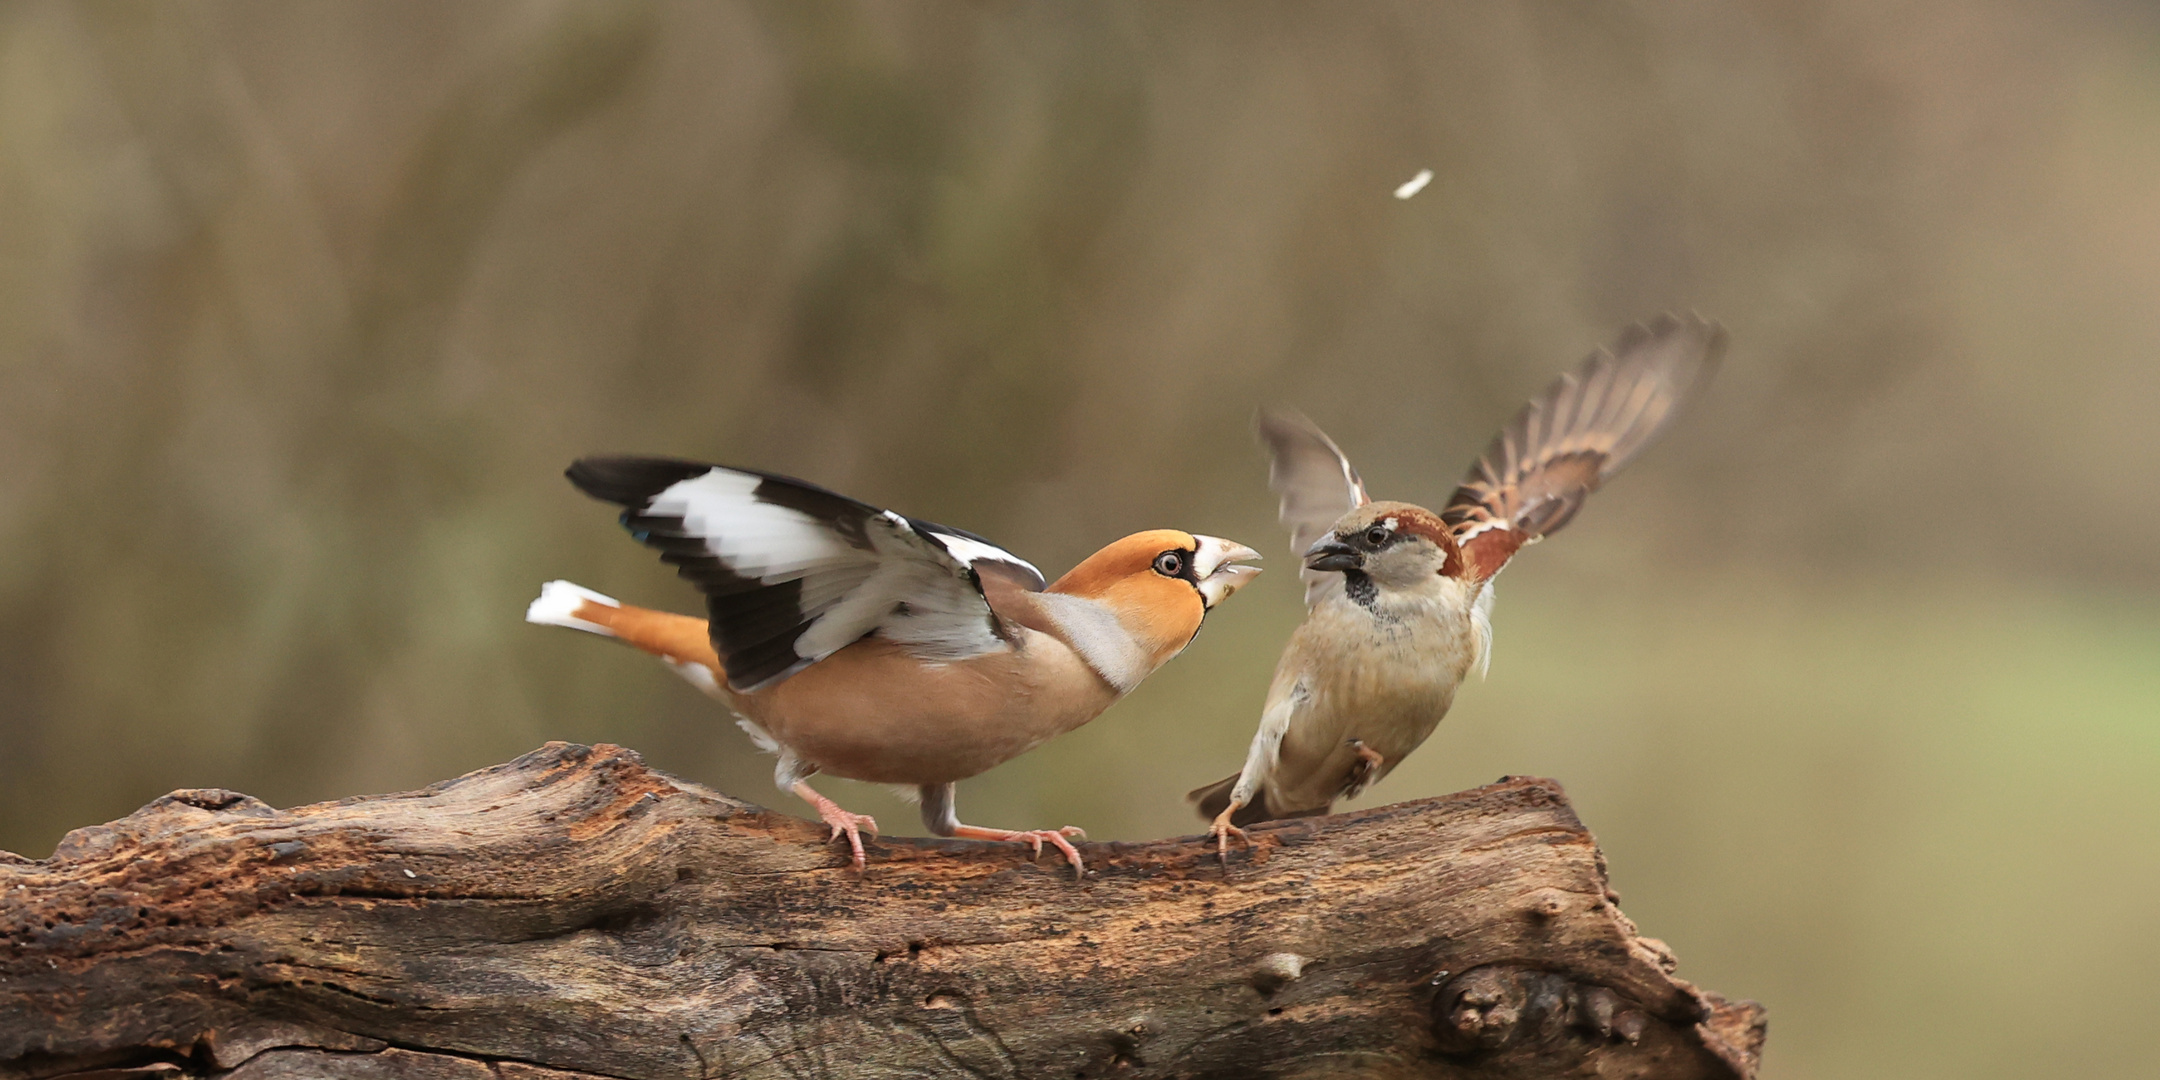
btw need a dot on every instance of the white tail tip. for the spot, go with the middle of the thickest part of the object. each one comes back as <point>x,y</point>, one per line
<point>559,602</point>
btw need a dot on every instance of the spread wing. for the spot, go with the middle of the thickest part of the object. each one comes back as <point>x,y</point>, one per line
<point>1317,484</point>
<point>1573,437</point>
<point>793,573</point>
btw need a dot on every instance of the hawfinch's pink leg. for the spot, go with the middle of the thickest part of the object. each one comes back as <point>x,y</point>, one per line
<point>942,820</point>
<point>1035,837</point>
<point>840,820</point>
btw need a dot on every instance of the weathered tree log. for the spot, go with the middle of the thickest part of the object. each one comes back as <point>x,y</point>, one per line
<point>574,913</point>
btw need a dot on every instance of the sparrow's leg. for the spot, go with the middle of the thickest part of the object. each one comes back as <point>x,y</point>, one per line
<point>940,817</point>
<point>840,820</point>
<point>1260,760</point>
<point>1363,769</point>
<point>1222,830</point>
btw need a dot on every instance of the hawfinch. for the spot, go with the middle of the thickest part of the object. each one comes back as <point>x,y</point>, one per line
<point>858,642</point>
<point>1398,598</point>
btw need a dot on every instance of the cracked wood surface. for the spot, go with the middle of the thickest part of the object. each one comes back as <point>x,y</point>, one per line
<point>576,914</point>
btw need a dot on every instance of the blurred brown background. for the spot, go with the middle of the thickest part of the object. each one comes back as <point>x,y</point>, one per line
<point>305,306</point>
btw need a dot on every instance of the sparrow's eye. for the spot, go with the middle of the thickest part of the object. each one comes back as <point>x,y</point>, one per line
<point>1170,563</point>
<point>1377,535</point>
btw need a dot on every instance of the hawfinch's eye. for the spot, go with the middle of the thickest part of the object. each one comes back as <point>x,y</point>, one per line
<point>1170,563</point>
<point>1376,536</point>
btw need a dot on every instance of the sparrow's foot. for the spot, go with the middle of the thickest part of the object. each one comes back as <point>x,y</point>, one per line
<point>1222,831</point>
<point>1363,769</point>
<point>842,822</point>
<point>1033,837</point>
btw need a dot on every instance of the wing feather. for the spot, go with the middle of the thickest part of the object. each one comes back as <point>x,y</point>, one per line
<point>793,573</point>
<point>1317,485</point>
<point>1570,439</point>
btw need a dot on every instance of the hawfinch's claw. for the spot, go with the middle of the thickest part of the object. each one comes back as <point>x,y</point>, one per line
<point>862,823</point>
<point>1222,831</point>
<point>1034,838</point>
<point>850,825</point>
<point>1072,854</point>
<point>1056,838</point>
<point>840,820</point>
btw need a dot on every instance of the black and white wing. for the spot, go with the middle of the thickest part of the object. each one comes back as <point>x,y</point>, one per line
<point>1317,484</point>
<point>793,573</point>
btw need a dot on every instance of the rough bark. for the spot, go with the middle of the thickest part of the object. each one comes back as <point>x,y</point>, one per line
<point>574,913</point>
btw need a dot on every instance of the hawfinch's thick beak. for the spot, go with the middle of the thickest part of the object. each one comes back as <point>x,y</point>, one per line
<point>1213,564</point>
<point>1332,554</point>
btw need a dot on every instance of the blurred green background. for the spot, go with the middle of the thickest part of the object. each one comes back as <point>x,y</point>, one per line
<point>1856,675</point>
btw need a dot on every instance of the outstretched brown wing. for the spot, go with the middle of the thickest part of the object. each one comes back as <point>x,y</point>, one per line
<point>1316,482</point>
<point>1573,437</point>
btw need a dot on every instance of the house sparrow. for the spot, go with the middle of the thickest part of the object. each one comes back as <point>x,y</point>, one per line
<point>862,643</point>
<point>1398,598</point>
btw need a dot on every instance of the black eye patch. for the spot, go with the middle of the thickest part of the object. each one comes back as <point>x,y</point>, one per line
<point>1374,538</point>
<point>1176,564</point>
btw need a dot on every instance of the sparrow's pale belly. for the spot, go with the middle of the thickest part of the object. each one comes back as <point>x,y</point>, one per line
<point>1387,690</point>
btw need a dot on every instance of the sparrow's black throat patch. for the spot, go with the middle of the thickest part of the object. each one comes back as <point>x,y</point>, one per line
<point>1358,586</point>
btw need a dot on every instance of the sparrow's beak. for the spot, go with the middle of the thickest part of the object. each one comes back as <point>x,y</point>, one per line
<point>1213,564</point>
<point>1329,553</point>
